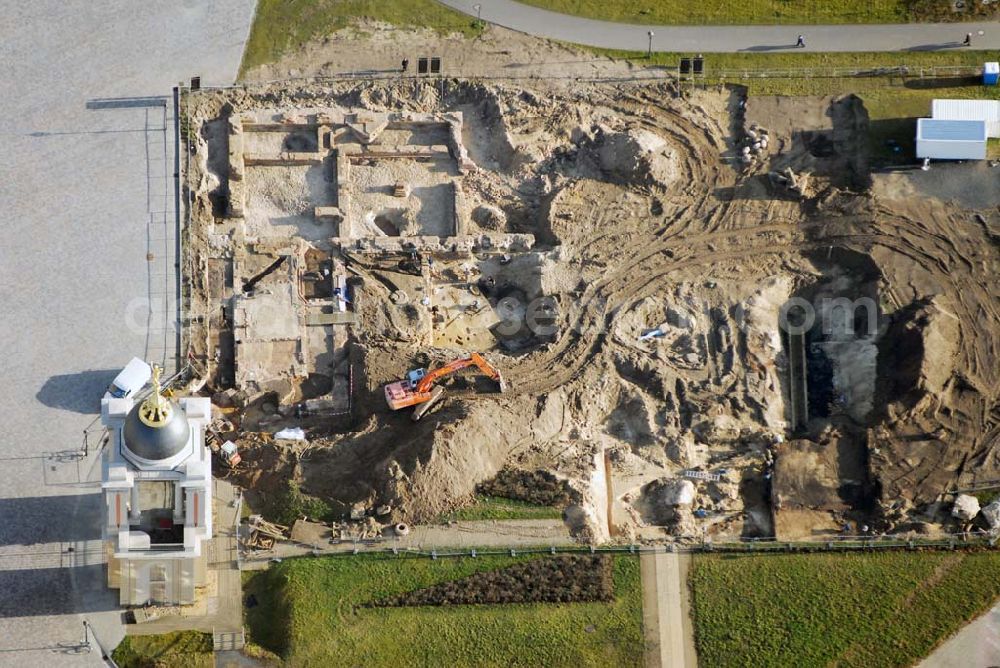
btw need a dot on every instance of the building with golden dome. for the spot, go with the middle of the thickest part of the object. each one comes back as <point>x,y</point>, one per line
<point>157,485</point>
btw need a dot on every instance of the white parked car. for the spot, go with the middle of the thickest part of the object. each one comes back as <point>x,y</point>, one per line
<point>131,379</point>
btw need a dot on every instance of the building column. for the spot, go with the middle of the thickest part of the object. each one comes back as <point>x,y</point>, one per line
<point>134,513</point>
<point>178,504</point>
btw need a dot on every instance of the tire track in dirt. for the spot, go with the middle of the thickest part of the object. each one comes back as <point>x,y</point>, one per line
<point>614,287</point>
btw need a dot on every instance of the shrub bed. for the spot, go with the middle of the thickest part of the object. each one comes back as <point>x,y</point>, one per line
<point>540,488</point>
<point>566,579</point>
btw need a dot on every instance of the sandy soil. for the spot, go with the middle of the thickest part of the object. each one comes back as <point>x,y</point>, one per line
<point>644,219</point>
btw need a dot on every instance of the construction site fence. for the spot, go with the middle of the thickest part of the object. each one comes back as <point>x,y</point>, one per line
<point>653,72</point>
<point>748,546</point>
<point>237,523</point>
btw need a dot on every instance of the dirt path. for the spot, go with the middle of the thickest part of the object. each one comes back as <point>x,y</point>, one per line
<point>458,536</point>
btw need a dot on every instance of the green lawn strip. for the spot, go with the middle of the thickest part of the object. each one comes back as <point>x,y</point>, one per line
<point>797,60</point>
<point>874,609</point>
<point>282,26</point>
<point>749,12</point>
<point>498,508</point>
<point>183,649</point>
<point>312,603</point>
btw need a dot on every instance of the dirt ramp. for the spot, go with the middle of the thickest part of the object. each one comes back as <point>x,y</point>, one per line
<point>439,472</point>
<point>916,354</point>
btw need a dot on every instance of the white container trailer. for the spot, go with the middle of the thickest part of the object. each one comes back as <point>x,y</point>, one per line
<point>951,140</point>
<point>969,110</point>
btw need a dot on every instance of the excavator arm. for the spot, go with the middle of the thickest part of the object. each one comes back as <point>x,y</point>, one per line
<point>423,393</point>
<point>475,359</point>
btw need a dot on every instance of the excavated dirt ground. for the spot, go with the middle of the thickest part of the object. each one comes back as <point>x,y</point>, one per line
<point>645,217</point>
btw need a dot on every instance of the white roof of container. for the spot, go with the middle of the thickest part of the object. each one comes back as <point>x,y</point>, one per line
<point>936,129</point>
<point>966,110</point>
<point>993,67</point>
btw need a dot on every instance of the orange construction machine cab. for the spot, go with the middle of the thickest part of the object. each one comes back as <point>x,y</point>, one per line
<point>418,386</point>
<point>403,393</point>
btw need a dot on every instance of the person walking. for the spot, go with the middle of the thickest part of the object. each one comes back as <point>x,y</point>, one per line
<point>406,64</point>
<point>801,42</point>
<point>968,39</point>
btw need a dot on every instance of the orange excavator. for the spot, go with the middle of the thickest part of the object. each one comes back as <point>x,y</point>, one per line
<point>418,389</point>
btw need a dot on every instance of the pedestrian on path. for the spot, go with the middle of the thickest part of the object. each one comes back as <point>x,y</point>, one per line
<point>801,42</point>
<point>968,39</point>
<point>406,64</point>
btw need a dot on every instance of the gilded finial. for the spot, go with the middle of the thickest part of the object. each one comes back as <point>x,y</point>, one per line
<point>155,410</point>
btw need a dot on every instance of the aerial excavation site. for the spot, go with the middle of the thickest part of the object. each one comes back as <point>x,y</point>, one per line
<point>506,334</point>
<point>696,315</point>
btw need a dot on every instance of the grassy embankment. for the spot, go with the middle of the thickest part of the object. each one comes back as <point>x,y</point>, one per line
<point>283,26</point>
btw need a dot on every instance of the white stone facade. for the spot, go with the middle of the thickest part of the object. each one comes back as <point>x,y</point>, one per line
<point>158,512</point>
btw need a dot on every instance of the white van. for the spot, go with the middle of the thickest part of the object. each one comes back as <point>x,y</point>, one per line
<point>131,379</point>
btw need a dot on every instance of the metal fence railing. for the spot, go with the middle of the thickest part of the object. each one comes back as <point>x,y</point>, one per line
<point>651,73</point>
<point>764,546</point>
<point>236,529</point>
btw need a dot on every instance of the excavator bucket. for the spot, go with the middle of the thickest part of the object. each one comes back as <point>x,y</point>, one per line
<point>422,409</point>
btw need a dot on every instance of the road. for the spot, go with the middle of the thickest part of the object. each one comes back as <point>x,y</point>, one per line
<point>726,39</point>
<point>86,193</point>
<point>975,646</point>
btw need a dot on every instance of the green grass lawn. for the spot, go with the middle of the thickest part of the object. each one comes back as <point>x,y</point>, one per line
<point>876,609</point>
<point>745,12</point>
<point>307,614</point>
<point>182,649</point>
<point>497,508</point>
<point>281,26</point>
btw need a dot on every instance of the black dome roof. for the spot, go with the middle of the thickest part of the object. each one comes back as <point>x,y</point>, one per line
<point>162,441</point>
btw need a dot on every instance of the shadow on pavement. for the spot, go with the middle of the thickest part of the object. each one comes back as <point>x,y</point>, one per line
<point>772,47</point>
<point>934,47</point>
<point>48,591</point>
<point>49,519</point>
<point>77,392</point>
<point>127,102</point>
